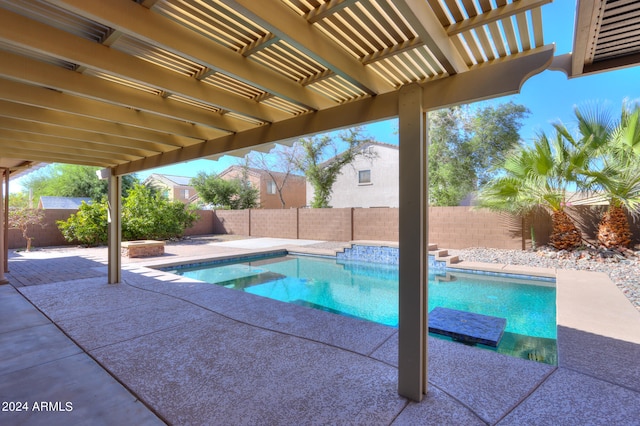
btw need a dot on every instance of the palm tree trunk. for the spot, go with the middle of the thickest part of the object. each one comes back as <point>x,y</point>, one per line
<point>614,230</point>
<point>565,235</point>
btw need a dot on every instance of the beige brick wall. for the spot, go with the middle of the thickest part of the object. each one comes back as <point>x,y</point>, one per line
<point>325,224</point>
<point>46,236</point>
<point>277,223</point>
<point>204,225</point>
<point>50,235</point>
<point>449,227</point>
<point>380,224</point>
<point>461,227</point>
<point>231,222</point>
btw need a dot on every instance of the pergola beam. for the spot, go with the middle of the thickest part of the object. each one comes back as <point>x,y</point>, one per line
<point>10,139</point>
<point>140,22</point>
<point>69,125</point>
<point>63,45</point>
<point>20,68</point>
<point>48,157</point>
<point>71,138</point>
<point>27,94</point>
<point>588,16</point>
<point>425,22</point>
<point>287,25</point>
<point>498,14</point>
<point>501,78</point>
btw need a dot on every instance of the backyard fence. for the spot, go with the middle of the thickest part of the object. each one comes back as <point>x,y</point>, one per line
<point>449,227</point>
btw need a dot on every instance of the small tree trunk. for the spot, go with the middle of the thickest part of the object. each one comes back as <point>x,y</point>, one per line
<point>614,230</point>
<point>564,235</point>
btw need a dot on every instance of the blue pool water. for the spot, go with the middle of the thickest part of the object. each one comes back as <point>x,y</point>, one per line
<point>370,291</point>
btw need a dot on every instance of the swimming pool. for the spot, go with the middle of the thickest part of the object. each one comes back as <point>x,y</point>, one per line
<point>370,291</point>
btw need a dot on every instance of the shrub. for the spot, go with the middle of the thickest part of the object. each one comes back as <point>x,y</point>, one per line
<point>88,226</point>
<point>145,215</point>
<point>148,215</point>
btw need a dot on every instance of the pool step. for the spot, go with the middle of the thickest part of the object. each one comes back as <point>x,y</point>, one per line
<point>443,255</point>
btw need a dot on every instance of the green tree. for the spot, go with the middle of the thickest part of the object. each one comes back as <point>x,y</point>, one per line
<point>70,180</point>
<point>493,132</point>
<point>19,200</point>
<point>322,174</point>
<point>233,194</point>
<point>451,170</point>
<point>465,146</point>
<point>540,175</point>
<point>145,215</point>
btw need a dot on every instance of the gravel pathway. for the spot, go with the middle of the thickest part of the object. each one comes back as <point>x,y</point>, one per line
<point>623,269</point>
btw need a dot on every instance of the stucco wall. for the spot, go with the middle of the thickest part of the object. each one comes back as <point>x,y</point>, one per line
<point>382,191</point>
<point>294,190</point>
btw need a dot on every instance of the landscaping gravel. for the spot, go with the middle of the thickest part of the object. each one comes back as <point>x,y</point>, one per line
<point>622,267</point>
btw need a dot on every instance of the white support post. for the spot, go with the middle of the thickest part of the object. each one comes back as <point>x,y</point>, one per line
<point>3,229</point>
<point>7,177</point>
<point>115,229</point>
<point>413,235</point>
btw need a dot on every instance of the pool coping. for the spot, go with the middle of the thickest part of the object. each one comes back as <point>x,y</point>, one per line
<point>580,295</point>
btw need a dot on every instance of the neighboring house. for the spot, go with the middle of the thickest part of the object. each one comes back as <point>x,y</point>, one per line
<point>172,187</point>
<point>63,203</point>
<point>367,182</point>
<point>293,192</point>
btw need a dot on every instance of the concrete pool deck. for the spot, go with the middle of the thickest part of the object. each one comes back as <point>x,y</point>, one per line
<point>164,349</point>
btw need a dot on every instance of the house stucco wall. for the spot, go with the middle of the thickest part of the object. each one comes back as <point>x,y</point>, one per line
<point>293,191</point>
<point>382,191</point>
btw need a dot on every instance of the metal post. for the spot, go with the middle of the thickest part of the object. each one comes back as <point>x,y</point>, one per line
<point>413,235</point>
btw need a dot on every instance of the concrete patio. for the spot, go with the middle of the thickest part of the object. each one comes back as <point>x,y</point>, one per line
<point>163,349</point>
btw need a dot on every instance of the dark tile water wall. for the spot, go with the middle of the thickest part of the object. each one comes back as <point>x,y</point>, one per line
<point>380,254</point>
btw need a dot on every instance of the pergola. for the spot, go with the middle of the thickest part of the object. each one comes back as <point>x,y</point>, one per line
<point>130,85</point>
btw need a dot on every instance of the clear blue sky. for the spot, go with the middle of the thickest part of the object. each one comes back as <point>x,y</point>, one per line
<point>550,96</point>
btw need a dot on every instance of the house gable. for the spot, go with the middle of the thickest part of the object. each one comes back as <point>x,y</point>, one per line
<point>367,182</point>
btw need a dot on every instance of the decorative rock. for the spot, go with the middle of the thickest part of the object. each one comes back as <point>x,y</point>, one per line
<point>624,270</point>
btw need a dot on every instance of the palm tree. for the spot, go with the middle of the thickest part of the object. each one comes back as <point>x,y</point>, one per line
<point>540,175</point>
<point>616,173</point>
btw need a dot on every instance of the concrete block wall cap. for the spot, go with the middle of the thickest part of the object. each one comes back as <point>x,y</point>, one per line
<point>142,243</point>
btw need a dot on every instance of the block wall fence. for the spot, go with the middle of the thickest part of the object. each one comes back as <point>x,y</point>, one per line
<point>449,227</point>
